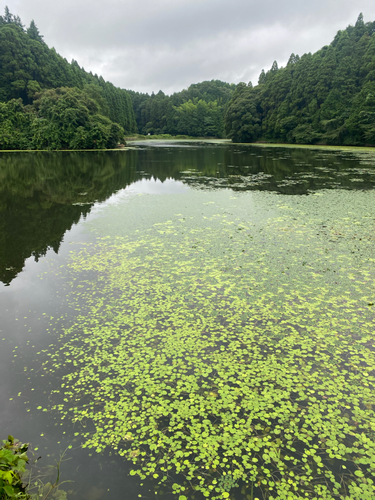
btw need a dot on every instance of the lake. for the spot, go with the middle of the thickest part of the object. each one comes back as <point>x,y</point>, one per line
<point>191,319</point>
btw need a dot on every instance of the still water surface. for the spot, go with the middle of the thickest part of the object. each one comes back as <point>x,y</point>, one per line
<point>272,225</point>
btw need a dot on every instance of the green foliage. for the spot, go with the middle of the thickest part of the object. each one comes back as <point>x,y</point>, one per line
<point>27,66</point>
<point>197,111</point>
<point>33,32</point>
<point>62,118</point>
<point>13,460</point>
<point>199,118</point>
<point>214,90</point>
<point>319,98</point>
<point>9,18</point>
<point>15,123</point>
<point>243,118</point>
<point>361,123</point>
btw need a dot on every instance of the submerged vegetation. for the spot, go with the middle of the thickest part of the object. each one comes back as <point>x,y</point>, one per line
<point>216,352</point>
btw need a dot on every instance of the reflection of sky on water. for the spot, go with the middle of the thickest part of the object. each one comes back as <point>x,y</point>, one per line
<point>155,186</point>
<point>147,186</point>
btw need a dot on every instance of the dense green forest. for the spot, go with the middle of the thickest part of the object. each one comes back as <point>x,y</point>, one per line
<point>327,97</point>
<point>48,103</point>
<point>197,111</point>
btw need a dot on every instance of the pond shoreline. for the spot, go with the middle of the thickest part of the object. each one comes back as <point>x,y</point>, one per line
<point>136,140</point>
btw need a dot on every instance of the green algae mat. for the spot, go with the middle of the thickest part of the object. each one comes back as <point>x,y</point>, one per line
<point>228,347</point>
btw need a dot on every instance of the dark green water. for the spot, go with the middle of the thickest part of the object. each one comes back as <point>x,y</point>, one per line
<point>88,235</point>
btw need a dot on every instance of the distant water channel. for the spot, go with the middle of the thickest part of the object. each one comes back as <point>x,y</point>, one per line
<point>149,296</point>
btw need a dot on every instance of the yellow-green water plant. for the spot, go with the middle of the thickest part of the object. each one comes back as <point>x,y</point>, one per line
<point>209,354</point>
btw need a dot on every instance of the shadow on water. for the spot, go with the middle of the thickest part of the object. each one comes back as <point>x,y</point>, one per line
<point>43,194</point>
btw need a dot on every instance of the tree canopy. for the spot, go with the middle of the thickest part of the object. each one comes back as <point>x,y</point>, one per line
<point>327,97</point>
<point>197,111</point>
<point>28,68</point>
<point>62,118</point>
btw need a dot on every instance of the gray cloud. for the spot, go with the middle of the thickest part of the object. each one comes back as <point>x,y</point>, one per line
<point>148,45</point>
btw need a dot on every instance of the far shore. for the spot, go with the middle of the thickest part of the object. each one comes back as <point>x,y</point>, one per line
<point>137,139</point>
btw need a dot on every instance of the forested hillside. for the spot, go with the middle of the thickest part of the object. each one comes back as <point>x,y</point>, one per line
<point>90,112</point>
<point>48,103</point>
<point>327,97</point>
<point>197,111</point>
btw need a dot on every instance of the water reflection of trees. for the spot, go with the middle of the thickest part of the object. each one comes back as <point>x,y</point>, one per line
<point>286,171</point>
<point>242,168</point>
<point>43,194</point>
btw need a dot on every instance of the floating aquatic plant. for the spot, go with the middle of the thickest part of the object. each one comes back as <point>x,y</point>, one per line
<point>228,353</point>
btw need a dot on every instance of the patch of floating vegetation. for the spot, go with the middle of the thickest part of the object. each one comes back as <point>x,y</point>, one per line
<point>229,352</point>
<point>270,171</point>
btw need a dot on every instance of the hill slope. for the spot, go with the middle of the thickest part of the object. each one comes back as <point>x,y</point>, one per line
<point>327,97</point>
<point>28,67</point>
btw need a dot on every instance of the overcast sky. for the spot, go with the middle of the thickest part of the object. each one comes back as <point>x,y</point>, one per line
<point>148,45</point>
